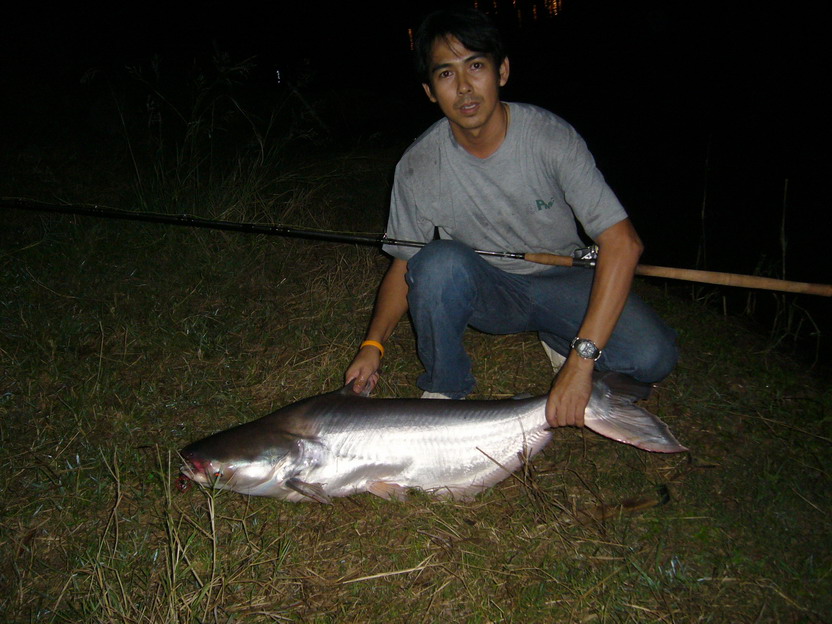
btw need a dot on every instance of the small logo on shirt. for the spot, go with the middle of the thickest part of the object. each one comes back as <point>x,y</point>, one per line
<point>545,205</point>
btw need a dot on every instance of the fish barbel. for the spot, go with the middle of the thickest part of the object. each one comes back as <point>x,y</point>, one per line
<point>340,443</point>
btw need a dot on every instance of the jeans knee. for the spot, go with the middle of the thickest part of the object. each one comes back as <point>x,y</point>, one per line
<point>438,264</point>
<point>657,359</point>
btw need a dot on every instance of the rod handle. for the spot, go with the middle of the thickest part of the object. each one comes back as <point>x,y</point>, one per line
<point>735,279</point>
<point>550,259</point>
<point>694,275</point>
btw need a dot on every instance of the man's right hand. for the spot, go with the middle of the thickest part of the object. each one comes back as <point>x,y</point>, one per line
<point>364,370</point>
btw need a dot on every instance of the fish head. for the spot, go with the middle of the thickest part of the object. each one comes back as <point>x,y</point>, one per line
<point>220,462</point>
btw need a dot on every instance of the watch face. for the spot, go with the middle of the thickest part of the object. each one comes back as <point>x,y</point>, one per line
<point>586,349</point>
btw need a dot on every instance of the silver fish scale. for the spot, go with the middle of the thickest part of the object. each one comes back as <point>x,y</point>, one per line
<point>436,446</point>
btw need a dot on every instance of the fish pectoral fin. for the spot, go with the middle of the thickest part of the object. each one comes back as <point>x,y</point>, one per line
<point>315,491</point>
<point>387,490</point>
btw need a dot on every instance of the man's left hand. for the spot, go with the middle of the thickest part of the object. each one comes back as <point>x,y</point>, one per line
<point>570,392</point>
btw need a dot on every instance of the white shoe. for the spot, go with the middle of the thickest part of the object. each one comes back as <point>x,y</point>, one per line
<point>555,358</point>
<point>434,395</point>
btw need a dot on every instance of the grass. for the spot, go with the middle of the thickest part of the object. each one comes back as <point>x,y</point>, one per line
<point>122,342</point>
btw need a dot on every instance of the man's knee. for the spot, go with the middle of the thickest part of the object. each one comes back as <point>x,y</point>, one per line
<point>440,262</point>
<point>656,359</point>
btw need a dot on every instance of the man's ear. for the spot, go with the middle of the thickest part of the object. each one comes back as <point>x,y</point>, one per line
<point>428,92</point>
<point>503,72</point>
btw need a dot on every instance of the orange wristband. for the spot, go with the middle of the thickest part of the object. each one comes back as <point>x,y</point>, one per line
<point>373,343</point>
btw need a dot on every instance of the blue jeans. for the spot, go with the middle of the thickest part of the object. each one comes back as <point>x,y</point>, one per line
<point>452,287</point>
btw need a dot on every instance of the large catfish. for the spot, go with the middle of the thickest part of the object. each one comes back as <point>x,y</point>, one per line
<point>341,443</point>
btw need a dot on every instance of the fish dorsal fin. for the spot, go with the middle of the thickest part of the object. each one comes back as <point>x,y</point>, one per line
<point>347,391</point>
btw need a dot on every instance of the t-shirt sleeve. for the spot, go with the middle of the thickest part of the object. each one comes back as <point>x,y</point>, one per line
<point>585,190</point>
<point>406,221</point>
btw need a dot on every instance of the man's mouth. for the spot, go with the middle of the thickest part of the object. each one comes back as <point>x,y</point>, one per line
<point>468,108</point>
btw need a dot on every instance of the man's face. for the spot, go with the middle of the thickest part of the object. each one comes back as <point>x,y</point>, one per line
<point>466,85</point>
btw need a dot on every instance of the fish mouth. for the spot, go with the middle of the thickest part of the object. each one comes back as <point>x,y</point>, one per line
<point>214,474</point>
<point>188,476</point>
<point>201,471</point>
<point>183,482</point>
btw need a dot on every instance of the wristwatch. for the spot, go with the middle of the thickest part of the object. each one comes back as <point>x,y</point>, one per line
<point>586,348</point>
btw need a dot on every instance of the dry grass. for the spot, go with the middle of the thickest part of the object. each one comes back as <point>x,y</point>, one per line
<point>123,342</point>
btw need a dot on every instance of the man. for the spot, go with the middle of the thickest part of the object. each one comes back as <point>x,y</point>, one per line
<point>503,176</point>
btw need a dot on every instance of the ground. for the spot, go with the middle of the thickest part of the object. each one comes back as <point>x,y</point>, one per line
<point>122,342</point>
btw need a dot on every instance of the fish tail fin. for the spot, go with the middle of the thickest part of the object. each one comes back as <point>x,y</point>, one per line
<point>613,413</point>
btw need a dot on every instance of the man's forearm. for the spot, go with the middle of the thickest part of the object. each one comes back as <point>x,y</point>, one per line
<point>619,251</point>
<point>391,302</point>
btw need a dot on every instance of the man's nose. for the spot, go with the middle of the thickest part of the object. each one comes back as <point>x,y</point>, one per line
<point>462,85</point>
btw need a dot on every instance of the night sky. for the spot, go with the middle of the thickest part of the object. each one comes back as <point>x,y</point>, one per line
<point>655,87</point>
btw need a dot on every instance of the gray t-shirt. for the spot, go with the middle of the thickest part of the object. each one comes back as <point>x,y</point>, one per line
<point>525,197</point>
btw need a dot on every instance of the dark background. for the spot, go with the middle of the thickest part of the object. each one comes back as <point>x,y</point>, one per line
<point>681,103</point>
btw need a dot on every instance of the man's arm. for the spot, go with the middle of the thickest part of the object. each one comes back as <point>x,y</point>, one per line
<point>619,249</point>
<point>391,304</point>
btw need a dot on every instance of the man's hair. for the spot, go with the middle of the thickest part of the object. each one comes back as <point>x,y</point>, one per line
<point>470,27</point>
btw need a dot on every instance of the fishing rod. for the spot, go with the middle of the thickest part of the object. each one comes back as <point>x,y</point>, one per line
<point>259,228</point>
<point>585,258</point>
